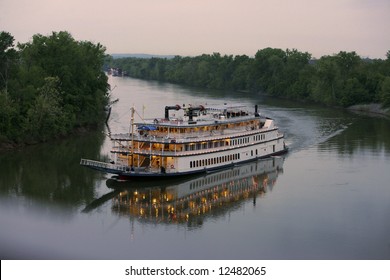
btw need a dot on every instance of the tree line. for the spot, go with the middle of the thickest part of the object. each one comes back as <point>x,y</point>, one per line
<point>49,86</point>
<point>343,79</point>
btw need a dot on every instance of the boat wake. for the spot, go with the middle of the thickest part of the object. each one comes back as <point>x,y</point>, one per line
<point>303,130</point>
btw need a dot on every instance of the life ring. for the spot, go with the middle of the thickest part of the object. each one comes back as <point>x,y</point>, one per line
<point>172,166</point>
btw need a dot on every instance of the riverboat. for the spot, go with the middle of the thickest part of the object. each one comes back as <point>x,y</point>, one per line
<point>191,139</point>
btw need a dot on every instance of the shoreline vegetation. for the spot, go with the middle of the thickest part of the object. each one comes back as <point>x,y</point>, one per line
<point>50,87</point>
<point>341,80</point>
<point>55,86</point>
<point>373,108</point>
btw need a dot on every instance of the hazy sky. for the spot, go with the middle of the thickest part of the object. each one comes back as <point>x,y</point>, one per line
<point>194,27</point>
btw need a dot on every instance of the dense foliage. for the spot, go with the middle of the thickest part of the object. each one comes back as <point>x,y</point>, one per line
<point>49,86</point>
<point>343,79</point>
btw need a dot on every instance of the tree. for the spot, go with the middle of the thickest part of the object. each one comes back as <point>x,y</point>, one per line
<point>385,92</point>
<point>7,56</point>
<point>326,82</point>
<point>51,85</point>
<point>240,79</point>
<point>353,93</point>
<point>266,68</point>
<point>342,79</point>
<point>45,117</point>
<point>79,68</point>
<point>9,116</point>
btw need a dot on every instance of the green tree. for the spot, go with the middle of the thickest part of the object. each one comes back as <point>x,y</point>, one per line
<point>45,117</point>
<point>297,74</point>
<point>342,79</point>
<point>266,69</point>
<point>78,66</point>
<point>385,92</point>
<point>240,77</point>
<point>9,117</point>
<point>326,83</point>
<point>353,93</point>
<point>51,85</point>
<point>8,56</point>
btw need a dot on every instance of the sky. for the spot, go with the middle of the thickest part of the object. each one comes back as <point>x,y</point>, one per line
<point>195,27</point>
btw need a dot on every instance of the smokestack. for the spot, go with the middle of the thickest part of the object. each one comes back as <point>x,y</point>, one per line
<point>167,108</point>
<point>256,111</point>
<point>191,110</point>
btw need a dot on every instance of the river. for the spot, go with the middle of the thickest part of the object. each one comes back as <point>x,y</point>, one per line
<point>328,198</point>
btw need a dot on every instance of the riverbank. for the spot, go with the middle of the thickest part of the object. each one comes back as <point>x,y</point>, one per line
<point>8,145</point>
<point>373,108</point>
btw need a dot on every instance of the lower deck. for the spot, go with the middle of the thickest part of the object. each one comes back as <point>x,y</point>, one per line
<point>167,166</point>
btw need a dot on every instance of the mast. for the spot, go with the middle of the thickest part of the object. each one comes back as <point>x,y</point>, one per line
<point>132,136</point>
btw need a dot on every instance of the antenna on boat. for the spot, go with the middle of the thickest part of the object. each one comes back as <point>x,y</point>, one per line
<point>132,135</point>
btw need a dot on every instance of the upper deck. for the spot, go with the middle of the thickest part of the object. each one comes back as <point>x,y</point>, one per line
<point>198,124</point>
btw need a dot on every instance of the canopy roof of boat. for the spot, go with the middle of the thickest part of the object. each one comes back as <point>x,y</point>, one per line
<point>208,115</point>
<point>146,127</point>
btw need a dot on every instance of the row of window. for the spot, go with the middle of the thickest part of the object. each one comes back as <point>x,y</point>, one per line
<point>216,144</point>
<point>214,160</point>
<point>222,159</point>
<point>245,140</point>
<point>259,137</point>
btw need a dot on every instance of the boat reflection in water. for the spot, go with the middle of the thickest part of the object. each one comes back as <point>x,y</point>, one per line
<point>189,202</point>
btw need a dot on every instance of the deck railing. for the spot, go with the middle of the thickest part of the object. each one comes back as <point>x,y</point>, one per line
<point>102,165</point>
<point>188,136</point>
<point>123,168</point>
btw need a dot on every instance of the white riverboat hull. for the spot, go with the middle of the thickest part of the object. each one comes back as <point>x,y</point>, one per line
<point>125,172</point>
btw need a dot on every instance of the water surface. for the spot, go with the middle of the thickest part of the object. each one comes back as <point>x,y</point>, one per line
<point>328,198</point>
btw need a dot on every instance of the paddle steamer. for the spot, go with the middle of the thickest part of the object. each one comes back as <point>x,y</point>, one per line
<point>191,139</point>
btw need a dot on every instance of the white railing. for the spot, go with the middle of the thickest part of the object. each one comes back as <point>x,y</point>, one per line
<point>102,165</point>
<point>188,136</point>
<point>123,168</point>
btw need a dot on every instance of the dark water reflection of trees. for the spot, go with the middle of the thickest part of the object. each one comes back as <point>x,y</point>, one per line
<point>51,172</point>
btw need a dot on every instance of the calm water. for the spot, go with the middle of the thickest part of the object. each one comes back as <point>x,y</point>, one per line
<point>329,198</point>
